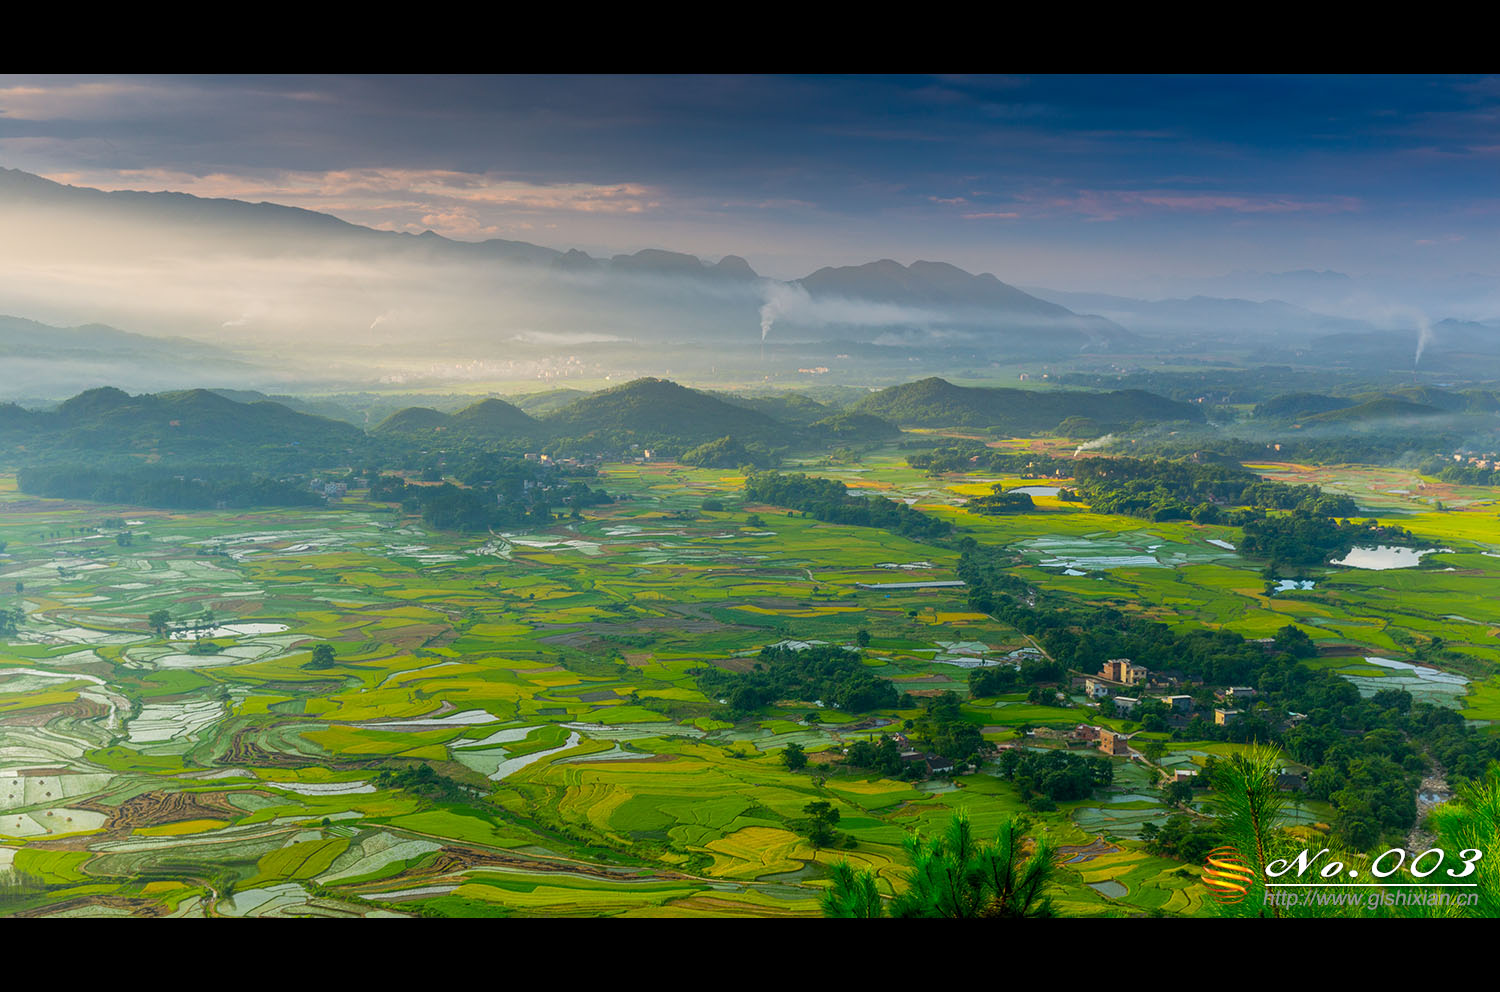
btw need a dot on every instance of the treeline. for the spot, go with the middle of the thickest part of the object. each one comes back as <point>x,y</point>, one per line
<point>831,502</point>
<point>1462,473</point>
<point>945,729</point>
<point>172,488</point>
<point>729,452</point>
<point>1001,502</point>
<point>1236,386</point>
<point>1159,489</point>
<point>1303,537</point>
<point>480,508</point>
<point>974,457</point>
<point>507,473</point>
<point>1206,489</point>
<point>449,507</point>
<point>820,672</point>
<point>998,679</point>
<point>421,780</point>
<point>1410,447</point>
<point>1049,777</point>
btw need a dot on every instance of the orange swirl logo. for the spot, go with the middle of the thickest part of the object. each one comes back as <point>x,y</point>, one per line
<point>1226,875</point>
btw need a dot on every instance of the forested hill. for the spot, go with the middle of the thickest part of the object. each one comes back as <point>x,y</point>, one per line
<point>196,422</point>
<point>938,403</point>
<point>657,411</point>
<point>204,425</point>
<point>545,402</point>
<point>1397,404</point>
<point>412,420</point>
<point>789,408</point>
<point>487,420</point>
<point>927,283</point>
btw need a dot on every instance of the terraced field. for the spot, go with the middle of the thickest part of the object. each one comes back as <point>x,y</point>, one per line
<point>547,678</point>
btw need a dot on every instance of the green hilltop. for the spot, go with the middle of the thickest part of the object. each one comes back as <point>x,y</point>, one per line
<point>936,402</point>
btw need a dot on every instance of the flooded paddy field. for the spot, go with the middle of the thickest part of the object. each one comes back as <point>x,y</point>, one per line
<point>547,677</point>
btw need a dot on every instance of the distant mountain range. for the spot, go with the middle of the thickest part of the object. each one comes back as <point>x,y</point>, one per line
<point>24,338</point>
<point>40,359</point>
<point>242,279</point>
<point>649,294</point>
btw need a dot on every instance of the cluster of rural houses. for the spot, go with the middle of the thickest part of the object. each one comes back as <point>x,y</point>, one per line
<point>1121,675</point>
<point>930,765</point>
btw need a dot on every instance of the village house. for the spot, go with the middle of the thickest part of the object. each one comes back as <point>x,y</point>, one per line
<point>1123,671</point>
<point>1125,705</point>
<point>1224,718</point>
<point>1178,704</point>
<point>1114,743</point>
<point>934,764</point>
<point>1085,734</point>
<point>1097,688</point>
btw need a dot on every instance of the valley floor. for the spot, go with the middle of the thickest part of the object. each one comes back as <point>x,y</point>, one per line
<point>547,678</point>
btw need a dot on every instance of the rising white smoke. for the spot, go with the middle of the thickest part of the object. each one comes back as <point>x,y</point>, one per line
<point>1424,336</point>
<point>780,297</point>
<point>789,301</point>
<point>1097,442</point>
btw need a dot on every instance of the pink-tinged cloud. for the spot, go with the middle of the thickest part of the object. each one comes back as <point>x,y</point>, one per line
<point>992,215</point>
<point>79,101</point>
<point>458,223</point>
<point>419,187</point>
<point>457,204</point>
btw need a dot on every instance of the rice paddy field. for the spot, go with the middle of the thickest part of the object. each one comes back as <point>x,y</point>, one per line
<point>547,677</point>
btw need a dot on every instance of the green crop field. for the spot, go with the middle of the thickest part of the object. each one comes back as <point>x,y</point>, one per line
<point>546,681</point>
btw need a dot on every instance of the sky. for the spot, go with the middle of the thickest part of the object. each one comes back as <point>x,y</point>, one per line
<point>1132,185</point>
